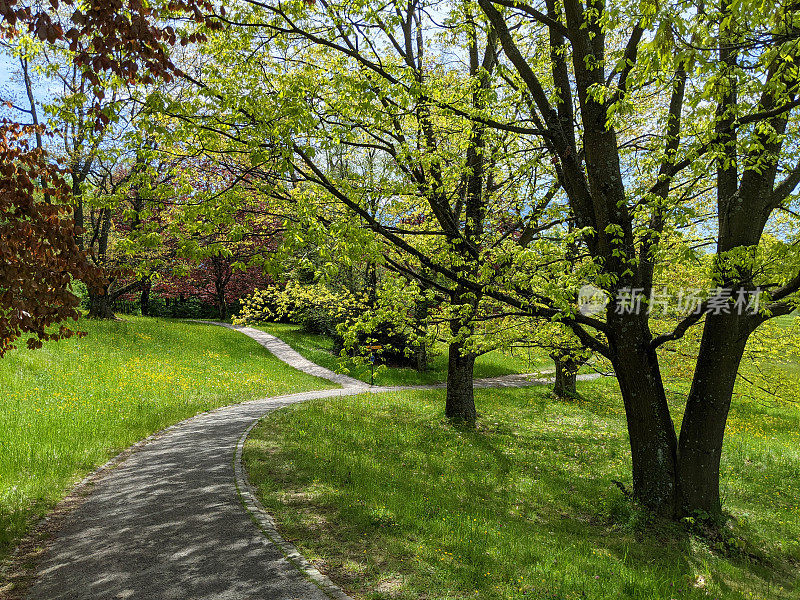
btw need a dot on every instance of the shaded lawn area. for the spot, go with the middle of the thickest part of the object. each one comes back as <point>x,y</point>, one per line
<point>69,407</point>
<point>319,349</point>
<point>392,503</point>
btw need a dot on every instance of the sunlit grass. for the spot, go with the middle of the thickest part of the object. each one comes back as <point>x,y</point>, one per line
<point>69,407</point>
<point>319,349</point>
<point>394,503</point>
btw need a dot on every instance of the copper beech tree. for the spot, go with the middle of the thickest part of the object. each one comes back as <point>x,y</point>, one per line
<point>38,254</point>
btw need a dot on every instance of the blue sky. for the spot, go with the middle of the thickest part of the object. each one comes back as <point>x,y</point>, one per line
<point>8,89</point>
<point>11,87</point>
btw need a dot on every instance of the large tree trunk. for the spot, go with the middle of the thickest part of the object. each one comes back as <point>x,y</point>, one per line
<point>565,376</point>
<point>650,427</point>
<point>460,403</point>
<point>703,426</point>
<point>100,305</point>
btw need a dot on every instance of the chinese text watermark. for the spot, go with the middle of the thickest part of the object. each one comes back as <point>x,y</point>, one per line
<point>687,301</point>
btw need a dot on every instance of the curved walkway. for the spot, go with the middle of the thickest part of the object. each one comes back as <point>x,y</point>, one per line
<point>168,522</point>
<point>293,358</point>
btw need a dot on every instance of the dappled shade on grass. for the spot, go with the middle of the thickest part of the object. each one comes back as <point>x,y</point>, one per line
<point>396,504</point>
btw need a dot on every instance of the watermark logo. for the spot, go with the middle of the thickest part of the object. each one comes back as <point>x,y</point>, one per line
<point>718,301</point>
<point>592,300</point>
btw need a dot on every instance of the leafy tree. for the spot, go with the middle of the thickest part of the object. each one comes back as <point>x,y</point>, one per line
<point>392,103</point>
<point>727,98</point>
<point>627,105</point>
<point>38,241</point>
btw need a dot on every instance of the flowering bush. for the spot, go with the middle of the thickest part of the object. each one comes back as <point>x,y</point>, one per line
<point>383,330</point>
<point>261,306</point>
<point>315,307</point>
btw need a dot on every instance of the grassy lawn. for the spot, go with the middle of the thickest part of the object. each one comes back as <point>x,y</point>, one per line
<point>393,503</point>
<point>69,407</point>
<point>319,349</point>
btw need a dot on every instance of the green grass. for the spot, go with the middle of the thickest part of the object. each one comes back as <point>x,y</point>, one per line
<point>788,324</point>
<point>393,503</point>
<point>69,407</point>
<point>319,349</point>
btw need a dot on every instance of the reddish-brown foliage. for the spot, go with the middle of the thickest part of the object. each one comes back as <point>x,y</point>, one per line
<point>38,253</point>
<point>128,38</point>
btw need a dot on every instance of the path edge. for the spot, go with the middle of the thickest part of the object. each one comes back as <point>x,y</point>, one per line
<point>266,522</point>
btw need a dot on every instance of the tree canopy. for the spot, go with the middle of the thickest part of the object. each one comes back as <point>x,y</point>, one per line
<point>503,156</point>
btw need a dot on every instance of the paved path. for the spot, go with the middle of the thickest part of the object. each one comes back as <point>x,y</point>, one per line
<point>501,381</point>
<point>287,354</point>
<point>168,522</point>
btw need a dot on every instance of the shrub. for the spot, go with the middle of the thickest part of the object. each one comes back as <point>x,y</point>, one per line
<point>356,325</point>
<point>315,307</point>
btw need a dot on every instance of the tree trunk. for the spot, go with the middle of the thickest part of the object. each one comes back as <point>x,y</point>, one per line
<point>372,283</point>
<point>222,308</point>
<point>222,278</point>
<point>566,376</point>
<point>460,403</point>
<point>421,317</point>
<point>77,213</point>
<point>100,305</point>
<point>703,426</point>
<point>650,427</point>
<point>421,362</point>
<point>144,299</point>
